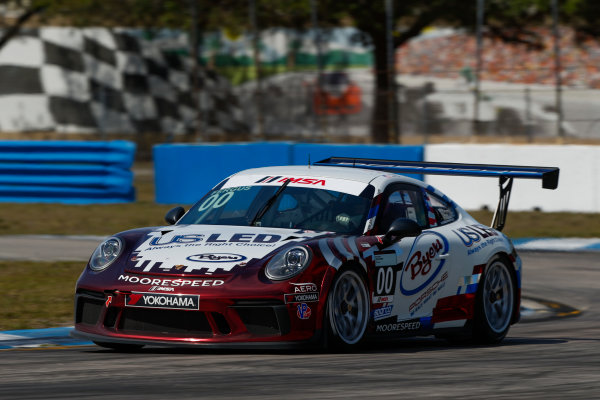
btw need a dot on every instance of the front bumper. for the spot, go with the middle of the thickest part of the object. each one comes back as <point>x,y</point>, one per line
<point>104,316</point>
<point>196,344</point>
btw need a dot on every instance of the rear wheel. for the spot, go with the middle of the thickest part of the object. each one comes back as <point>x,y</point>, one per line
<point>495,303</point>
<point>347,309</point>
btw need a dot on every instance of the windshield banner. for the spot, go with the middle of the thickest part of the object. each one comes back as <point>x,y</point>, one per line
<point>339,185</point>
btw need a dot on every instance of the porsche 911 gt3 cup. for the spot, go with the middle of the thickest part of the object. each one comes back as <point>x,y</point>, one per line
<point>332,254</point>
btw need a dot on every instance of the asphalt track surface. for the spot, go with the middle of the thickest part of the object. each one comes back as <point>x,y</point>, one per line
<point>552,358</point>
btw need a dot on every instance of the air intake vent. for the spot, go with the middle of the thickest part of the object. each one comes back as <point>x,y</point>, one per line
<point>265,320</point>
<point>165,322</point>
<point>88,310</point>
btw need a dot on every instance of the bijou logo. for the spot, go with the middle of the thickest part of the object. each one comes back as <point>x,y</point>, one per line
<point>216,257</point>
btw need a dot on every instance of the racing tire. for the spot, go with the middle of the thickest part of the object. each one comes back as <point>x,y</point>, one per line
<point>347,312</point>
<point>120,347</point>
<point>494,303</point>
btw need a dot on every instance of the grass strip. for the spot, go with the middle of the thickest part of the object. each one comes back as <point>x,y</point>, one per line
<point>523,224</point>
<point>37,294</point>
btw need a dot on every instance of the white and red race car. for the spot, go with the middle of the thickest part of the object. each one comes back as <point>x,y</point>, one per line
<point>331,253</point>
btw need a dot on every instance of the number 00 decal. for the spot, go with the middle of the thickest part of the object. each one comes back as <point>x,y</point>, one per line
<point>386,280</point>
<point>216,201</point>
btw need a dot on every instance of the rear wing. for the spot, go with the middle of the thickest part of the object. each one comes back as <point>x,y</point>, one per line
<point>505,173</point>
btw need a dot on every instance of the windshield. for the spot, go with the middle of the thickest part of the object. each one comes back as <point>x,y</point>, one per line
<point>294,207</point>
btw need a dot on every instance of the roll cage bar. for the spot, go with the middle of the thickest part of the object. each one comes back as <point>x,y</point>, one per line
<point>505,173</point>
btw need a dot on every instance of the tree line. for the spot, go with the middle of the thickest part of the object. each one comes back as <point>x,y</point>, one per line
<point>509,20</point>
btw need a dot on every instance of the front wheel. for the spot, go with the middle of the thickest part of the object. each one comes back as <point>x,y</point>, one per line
<point>348,309</point>
<point>495,303</point>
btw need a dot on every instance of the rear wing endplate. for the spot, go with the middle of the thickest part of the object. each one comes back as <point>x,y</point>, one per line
<point>505,173</point>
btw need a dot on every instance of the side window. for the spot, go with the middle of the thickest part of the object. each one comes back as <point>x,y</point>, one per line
<point>403,201</point>
<point>444,211</point>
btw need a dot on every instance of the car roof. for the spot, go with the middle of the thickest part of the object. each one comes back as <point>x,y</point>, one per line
<point>351,174</point>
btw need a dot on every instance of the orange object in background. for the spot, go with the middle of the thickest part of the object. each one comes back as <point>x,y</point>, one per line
<point>337,95</point>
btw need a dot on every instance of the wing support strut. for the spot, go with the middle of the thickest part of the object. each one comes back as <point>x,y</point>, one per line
<point>499,219</point>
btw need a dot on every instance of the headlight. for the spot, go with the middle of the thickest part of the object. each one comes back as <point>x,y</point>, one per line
<point>106,253</point>
<point>288,263</point>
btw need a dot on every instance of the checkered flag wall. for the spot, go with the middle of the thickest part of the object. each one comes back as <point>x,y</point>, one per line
<point>106,80</point>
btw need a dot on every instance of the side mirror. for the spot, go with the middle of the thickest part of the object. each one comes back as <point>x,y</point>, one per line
<point>401,228</point>
<point>174,215</point>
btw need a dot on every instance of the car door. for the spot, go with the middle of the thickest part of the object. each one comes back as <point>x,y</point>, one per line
<point>408,274</point>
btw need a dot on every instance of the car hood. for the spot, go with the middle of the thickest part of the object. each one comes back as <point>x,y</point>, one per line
<point>207,249</point>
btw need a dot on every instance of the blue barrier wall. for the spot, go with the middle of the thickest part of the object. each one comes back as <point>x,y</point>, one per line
<point>184,172</point>
<point>66,172</point>
<point>318,152</point>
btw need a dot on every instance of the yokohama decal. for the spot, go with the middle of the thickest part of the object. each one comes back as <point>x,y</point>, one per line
<point>301,298</point>
<point>159,300</point>
<point>423,263</point>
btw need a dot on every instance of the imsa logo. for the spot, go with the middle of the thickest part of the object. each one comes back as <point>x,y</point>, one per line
<point>163,301</point>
